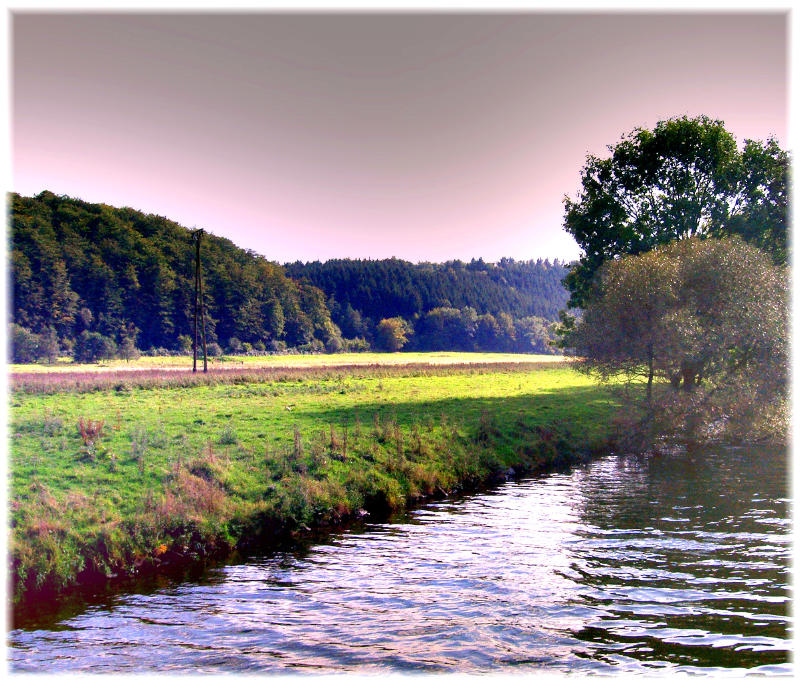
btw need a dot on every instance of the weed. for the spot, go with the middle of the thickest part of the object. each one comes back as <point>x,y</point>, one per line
<point>51,424</point>
<point>228,436</point>
<point>91,431</point>
<point>139,443</point>
<point>298,443</point>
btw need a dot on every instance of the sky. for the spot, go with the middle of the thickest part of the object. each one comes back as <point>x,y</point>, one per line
<point>428,137</point>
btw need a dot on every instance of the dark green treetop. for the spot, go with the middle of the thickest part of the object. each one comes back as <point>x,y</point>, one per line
<point>686,177</point>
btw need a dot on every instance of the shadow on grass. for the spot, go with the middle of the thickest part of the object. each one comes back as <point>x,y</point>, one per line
<point>584,411</point>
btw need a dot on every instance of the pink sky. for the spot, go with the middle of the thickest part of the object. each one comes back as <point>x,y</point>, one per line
<point>426,137</point>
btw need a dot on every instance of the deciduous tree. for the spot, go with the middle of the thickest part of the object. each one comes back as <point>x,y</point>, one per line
<point>686,177</point>
<point>700,324</point>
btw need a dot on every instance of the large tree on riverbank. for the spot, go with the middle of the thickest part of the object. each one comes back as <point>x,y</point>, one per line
<point>701,326</point>
<point>687,177</point>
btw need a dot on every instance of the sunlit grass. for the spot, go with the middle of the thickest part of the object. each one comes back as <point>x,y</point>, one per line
<point>208,464</point>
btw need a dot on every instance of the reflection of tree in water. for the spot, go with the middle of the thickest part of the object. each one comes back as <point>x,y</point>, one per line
<point>685,558</point>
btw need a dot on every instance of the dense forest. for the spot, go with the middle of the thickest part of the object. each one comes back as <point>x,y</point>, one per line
<point>454,305</point>
<point>93,281</point>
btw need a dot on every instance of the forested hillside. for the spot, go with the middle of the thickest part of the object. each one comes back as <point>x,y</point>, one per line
<point>92,281</point>
<point>454,305</point>
<point>394,287</point>
<point>90,268</point>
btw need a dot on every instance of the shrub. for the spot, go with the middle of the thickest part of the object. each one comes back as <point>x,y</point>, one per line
<point>228,436</point>
<point>184,344</point>
<point>392,334</point>
<point>334,344</point>
<point>93,346</point>
<point>357,345</point>
<point>276,346</point>
<point>25,345</point>
<point>128,350</point>
<point>213,350</point>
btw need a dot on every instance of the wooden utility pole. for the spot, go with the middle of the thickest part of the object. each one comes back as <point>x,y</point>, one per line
<point>197,235</point>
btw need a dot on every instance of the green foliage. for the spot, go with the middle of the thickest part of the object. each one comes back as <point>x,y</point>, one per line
<point>685,178</point>
<point>707,319</point>
<point>213,350</point>
<point>128,276</point>
<point>93,346</point>
<point>25,345</point>
<point>445,303</point>
<point>392,334</point>
<point>81,267</point>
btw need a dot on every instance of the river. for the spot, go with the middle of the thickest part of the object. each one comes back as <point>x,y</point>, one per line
<point>628,564</point>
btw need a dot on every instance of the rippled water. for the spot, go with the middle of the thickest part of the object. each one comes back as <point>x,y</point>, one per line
<point>628,564</point>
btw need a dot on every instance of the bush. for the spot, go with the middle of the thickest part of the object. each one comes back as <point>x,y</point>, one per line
<point>93,346</point>
<point>314,346</point>
<point>357,345</point>
<point>184,344</point>
<point>25,345</point>
<point>334,344</point>
<point>392,334</point>
<point>213,350</point>
<point>276,346</point>
<point>128,350</point>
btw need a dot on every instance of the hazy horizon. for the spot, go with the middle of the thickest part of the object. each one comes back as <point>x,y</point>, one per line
<point>427,137</point>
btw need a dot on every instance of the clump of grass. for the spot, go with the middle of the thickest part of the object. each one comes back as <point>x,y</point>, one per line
<point>52,425</point>
<point>228,436</point>
<point>140,440</point>
<point>298,443</point>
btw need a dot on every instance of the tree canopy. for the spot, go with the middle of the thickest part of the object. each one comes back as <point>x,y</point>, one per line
<point>685,178</point>
<point>125,279</point>
<point>702,324</point>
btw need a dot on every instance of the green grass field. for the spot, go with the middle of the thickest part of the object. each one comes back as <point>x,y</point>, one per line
<point>177,473</point>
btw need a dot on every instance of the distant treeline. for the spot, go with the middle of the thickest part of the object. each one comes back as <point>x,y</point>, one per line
<point>506,306</point>
<point>92,281</point>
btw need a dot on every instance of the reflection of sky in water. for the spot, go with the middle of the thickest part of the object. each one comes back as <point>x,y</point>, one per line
<point>593,569</point>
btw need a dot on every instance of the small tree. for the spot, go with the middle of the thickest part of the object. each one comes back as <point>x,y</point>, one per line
<point>213,349</point>
<point>24,344</point>
<point>128,350</point>
<point>93,346</point>
<point>701,324</point>
<point>48,348</point>
<point>392,334</point>
<point>184,344</point>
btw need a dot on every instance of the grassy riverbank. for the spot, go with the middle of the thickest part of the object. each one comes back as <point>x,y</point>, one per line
<point>128,479</point>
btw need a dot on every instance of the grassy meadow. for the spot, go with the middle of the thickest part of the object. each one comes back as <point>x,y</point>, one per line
<point>122,478</point>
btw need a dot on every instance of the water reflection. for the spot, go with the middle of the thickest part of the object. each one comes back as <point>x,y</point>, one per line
<point>690,558</point>
<point>627,564</point>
